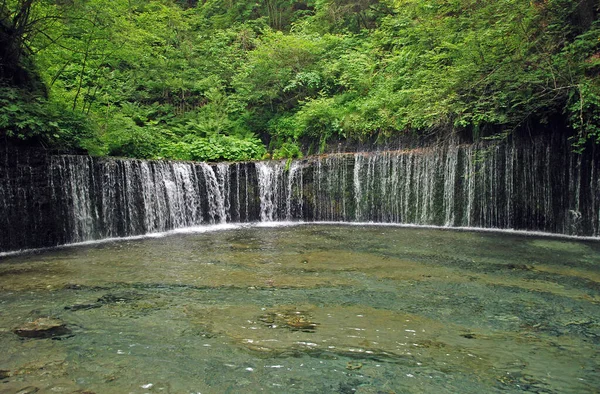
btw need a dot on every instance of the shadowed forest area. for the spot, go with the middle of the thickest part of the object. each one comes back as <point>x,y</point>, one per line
<point>235,80</point>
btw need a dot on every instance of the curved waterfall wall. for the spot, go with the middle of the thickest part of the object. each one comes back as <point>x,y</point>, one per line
<point>51,200</point>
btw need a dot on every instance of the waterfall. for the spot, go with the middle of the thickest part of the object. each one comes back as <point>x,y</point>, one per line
<point>450,185</point>
<point>80,220</point>
<point>294,192</point>
<point>49,200</point>
<point>271,177</point>
<point>223,179</point>
<point>216,198</point>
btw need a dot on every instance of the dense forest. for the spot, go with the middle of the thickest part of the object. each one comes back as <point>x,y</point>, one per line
<point>237,80</point>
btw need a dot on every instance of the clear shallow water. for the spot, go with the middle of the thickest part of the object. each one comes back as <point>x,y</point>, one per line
<point>308,309</point>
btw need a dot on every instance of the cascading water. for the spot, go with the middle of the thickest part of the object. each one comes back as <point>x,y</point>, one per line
<point>110,198</point>
<point>268,184</point>
<point>65,199</point>
<point>223,179</point>
<point>216,200</point>
<point>294,195</point>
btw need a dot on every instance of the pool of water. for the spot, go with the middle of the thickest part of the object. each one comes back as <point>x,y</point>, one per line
<point>307,309</point>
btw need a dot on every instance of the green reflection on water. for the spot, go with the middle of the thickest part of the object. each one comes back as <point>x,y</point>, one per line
<point>308,309</point>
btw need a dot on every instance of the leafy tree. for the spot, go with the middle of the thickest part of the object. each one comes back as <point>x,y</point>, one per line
<point>224,79</point>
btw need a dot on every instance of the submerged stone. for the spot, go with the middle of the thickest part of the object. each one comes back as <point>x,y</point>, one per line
<point>78,307</point>
<point>354,365</point>
<point>105,300</point>
<point>44,327</point>
<point>28,390</point>
<point>119,298</point>
<point>290,319</point>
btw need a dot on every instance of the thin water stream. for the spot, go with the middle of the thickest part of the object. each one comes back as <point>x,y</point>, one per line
<point>307,309</point>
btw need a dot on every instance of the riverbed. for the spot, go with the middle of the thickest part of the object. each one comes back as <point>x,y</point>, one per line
<point>327,308</point>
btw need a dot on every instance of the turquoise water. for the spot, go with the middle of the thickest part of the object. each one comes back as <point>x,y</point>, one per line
<point>307,309</point>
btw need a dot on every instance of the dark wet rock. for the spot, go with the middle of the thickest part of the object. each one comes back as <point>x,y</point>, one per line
<point>28,390</point>
<point>291,319</point>
<point>78,307</point>
<point>111,298</point>
<point>44,327</point>
<point>5,374</point>
<point>120,298</point>
<point>354,365</point>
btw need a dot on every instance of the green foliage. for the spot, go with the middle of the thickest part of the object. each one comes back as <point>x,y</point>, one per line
<point>584,114</point>
<point>215,148</point>
<point>288,150</point>
<point>34,118</point>
<point>213,80</point>
<point>278,14</point>
<point>582,56</point>
<point>279,72</point>
<point>126,138</point>
<point>351,16</point>
<point>320,119</point>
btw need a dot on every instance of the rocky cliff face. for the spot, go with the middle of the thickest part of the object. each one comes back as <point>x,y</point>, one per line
<point>28,216</point>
